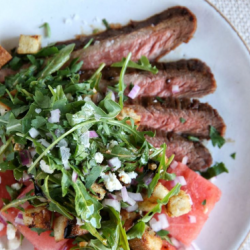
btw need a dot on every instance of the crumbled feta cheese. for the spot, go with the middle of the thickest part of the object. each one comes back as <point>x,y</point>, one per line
<point>33,132</point>
<point>11,232</point>
<point>87,99</point>
<point>62,143</point>
<point>44,142</point>
<point>16,186</point>
<point>79,98</point>
<point>111,182</point>
<point>112,144</point>
<point>38,111</point>
<point>84,139</point>
<point>54,116</point>
<point>46,168</point>
<point>65,154</point>
<point>1,227</point>
<point>2,247</point>
<point>98,157</point>
<point>126,178</point>
<point>79,221</point>
<point>14,243</point>
<point>132,175</point>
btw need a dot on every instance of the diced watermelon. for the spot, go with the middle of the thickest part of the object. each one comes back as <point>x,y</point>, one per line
<point>167,246</point>
<point>40,242</point>
<point>199,190</point>
<point>7,179</point>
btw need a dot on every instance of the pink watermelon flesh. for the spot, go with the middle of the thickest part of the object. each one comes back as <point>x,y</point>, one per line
<point>7,179</point>
<point>199,190</point>
<point>40,242</point>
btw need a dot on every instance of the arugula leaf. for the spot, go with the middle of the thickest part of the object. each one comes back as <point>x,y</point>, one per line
<point>182,120</point>
<point>160,100</point>
<point>233,156</point>
<point>204,202</point>
<point>47,29</point>
<point>104,21</point>
<point>215,170</point>
<point>38,122</point>
<point>2,89</point>
<point>57,61</point>
<point>136,231</point>
<point>93,176</point>
<point>4,147</point>
<point>47,51</point>
<point>164,235</point>
<point>193,138</point>
<point>38,230</point>
<point>41,100</point>
<point>12,192</point>
<point>143,64</point>
<point>216,138</point>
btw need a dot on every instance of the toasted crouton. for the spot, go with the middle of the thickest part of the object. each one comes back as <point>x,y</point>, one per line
<point>59,226</point>
<point>99,190</point>
<point>4,108</point>
<point>5,56</point>
<point>158,194</point>
<point>29,44</point>
<point>38,217</point>
<point>129,218</point>
<point>128,112</point>
<point>179,205</point>
<point>149,241</point>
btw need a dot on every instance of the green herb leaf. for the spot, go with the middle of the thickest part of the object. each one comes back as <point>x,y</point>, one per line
<point>12,192</point>
<point>182,120</point>
<point>204,203</point>
<point>47,29</point>
<point>193,138</point>
<point>215,170</point>
<point>38,230</point>
<point>233,156</point>
<point>106,23</point>
<point>160,100</point>
<point>216,138</point>
<point>136,231</point>
<point>93,176</point>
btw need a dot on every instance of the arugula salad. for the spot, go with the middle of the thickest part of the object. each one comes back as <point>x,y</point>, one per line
<point>84,163</point>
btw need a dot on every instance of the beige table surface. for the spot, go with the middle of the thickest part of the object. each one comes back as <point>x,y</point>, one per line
<point>238,14</point>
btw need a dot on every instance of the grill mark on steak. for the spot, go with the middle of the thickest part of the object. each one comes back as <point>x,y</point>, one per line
<point>166,116</point>
<point>153,37</point>
<point>193,77</point>
<point>199,157</point>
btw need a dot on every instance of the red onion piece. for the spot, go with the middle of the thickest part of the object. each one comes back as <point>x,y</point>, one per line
<point>184,160</point>
<point>74,176</point>
<point>135,196</point>
<point>155,225</point>
<point>115,162</point>
<point>132,208</point>
<point>148,178</point>
<point>126,198</point>
<point>134,92</point>
<point>54,116</point>
<point>164,221</point>
<point>93,134</point>
<point>25,157</point>
<point>192,219</point>
<point>19,219</point>
<point>112,203</point>
<point>112,196</point>
<point>175,89</point>
<point>174,164</point>
<point>179,179</point>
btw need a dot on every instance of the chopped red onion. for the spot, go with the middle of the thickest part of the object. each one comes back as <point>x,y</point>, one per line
<point>134,92</point>
<point>19,219</point>
<point>134,182</point>
<point>25,157</point>
<point>135,196</point>
<point>179,179</point>
<point>192,219</point>
<point>163,219</point>
<point>112,196</point>
<point>148,178</point>
<point>174,164</point>
<point>155,225</point>
<point>132,208</point>
<point>112,203</point>
<point>93,134</point>
<point>74,176</point>
<point>115,162</point>
<point>184,160</point>
<point>54,116</point>
<point>2,220</point>
<point>175,89</point>
<point>175,242</point>
<point>126,198</point>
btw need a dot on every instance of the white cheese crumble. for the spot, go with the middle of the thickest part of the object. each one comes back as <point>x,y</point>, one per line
<point>11,232</point>
<point>99,157</point>
<point>79,221</point>
<point>33,132</point>
<point>14,244</point>
<point>126,178</point>
<point>65,154</point>
<point>79,98</point>
<point>111,182</point>
<point>38,111</point>
<point>16,186</point>
<point>46,168</point>
<point>132,175</point>
<point>112,144</point>
<point>44,142</point>
<point>62,143</point>
<point>54,116</point>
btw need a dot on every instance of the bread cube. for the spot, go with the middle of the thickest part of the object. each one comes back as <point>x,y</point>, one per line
<point>5,56</point>
<point>129,112</point>
<point>29,44</point>
<point>99,190</point>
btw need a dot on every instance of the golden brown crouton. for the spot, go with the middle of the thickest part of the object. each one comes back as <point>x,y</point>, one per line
<point>60,224</point>
<point>129,218</point>
<point>4,108</point>
<point>149,241</point>
<point>29,44</point>
<point>99,190</point>
<point>38,217</point>
<point>128,112</point>
<point>5,56</point>
<point>179,205</point>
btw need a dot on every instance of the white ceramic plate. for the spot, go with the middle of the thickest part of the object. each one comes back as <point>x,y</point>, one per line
<point>215,42</point>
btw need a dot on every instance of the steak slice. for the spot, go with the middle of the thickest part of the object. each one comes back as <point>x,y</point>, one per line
<point>166,116</point>
<point>199,157</point>
<point>193,77</point>
<point>153,38</point>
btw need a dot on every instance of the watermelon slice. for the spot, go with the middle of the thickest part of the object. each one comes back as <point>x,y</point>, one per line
<point>200,190</point>
<point>40,242</point>
<point>7,179</point>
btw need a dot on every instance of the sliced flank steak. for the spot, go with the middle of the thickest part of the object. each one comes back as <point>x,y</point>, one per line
<point>153,38</point>
<point>166,116</point>
<point>192,78</point>
<point>199,157</point>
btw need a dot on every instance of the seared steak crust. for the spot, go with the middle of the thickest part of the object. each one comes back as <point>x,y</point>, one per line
<point>199,157</point>
<point>153,38</point>
<point>193,77</point>
<point>166,116</point>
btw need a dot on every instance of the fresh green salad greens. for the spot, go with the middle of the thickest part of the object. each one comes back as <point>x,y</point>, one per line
<point>65,143</point>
